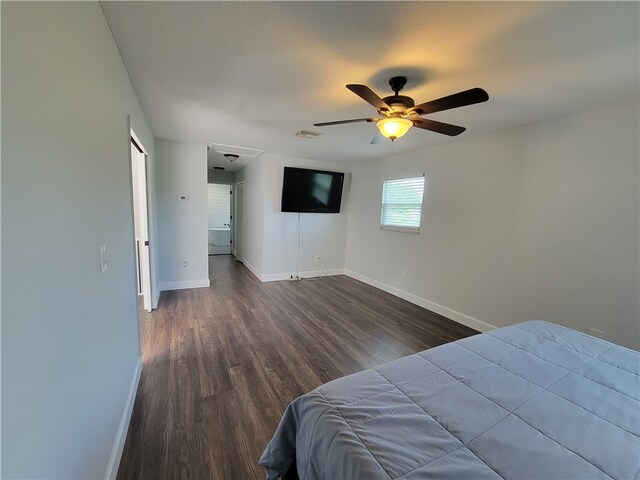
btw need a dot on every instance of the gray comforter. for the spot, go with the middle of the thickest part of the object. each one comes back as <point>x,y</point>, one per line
<point>533,400</point>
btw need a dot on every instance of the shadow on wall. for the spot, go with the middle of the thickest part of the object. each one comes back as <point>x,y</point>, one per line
<point>217,176</point>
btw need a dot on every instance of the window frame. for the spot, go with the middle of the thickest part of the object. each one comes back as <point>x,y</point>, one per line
<point>401,228</point>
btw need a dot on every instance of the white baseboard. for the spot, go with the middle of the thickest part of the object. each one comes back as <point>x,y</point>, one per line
<point>424,303</point>
<point>252,269</point>
<point>121,436</point>
<point>164,286</point>
<point>273,277</point>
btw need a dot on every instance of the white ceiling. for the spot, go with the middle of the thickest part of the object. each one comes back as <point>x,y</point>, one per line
<point>252,74</point>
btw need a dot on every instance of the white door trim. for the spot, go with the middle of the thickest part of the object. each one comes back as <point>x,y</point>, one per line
<point>239,220</point>
<point>140,164</point>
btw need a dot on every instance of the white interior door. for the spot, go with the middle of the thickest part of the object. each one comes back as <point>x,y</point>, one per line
<point>141,222</point>
<point>240,219</point>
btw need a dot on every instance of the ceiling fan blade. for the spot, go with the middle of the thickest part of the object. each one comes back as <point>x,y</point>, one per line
<point>369,96</point>
<point>461,99</point>
<point>340,122</point>
<point>439,127</point>
<point>378,138</point>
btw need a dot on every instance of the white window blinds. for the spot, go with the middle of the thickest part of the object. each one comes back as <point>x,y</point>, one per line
<point>402,204</point>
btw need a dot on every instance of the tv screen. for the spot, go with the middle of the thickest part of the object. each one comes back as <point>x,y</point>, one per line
<point>314,191</point>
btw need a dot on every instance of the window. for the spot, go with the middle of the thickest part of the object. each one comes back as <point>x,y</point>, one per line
<point>402,204</point>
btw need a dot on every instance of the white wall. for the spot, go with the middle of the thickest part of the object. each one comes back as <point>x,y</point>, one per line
<point>254,177</point>
<point>70,338</point>
<point>268,229</point>
<point>537,222</point>
<point>181,169</point>
<point>322,234</point>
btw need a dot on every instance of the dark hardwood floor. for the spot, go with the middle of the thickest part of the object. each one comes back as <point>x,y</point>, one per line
<point>220,364</point>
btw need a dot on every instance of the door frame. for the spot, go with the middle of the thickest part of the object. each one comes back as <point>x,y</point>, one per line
<point>232,220</point>
<point>143,266</point>
<point>237,219</point>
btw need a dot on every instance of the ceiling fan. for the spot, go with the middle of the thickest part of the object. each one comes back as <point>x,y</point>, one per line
<point>398,113</point>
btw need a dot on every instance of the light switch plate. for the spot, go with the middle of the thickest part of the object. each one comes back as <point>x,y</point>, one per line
<point>104,259</point>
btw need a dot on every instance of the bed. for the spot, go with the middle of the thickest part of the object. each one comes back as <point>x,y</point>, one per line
<point>533,400</point>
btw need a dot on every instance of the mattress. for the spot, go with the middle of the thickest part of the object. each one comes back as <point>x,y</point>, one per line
<point>533,400</point>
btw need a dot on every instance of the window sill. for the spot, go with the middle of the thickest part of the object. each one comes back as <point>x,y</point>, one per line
<point>394,228</point>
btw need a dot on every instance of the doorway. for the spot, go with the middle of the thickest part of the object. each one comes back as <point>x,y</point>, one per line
<point>219,208</point>
<point>139,168</point>
<point>239,223</point>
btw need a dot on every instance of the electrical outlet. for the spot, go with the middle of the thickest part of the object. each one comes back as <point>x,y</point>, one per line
<point>185,264</point>
<point>404,274</point>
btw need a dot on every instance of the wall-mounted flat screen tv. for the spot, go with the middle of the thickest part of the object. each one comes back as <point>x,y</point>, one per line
<point>313,191</point>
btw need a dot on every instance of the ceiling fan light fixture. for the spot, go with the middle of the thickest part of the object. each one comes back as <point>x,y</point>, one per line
<point>394,127</point>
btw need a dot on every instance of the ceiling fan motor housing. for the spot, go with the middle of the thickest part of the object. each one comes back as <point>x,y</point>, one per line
<point>399,103</point>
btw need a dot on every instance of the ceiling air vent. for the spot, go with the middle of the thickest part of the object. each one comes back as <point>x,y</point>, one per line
<point>307,134</point>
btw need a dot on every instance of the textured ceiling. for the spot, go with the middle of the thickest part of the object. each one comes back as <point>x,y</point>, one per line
<point>252,74</point>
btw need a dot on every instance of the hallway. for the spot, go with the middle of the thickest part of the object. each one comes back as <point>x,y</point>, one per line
<point>221,364</point>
